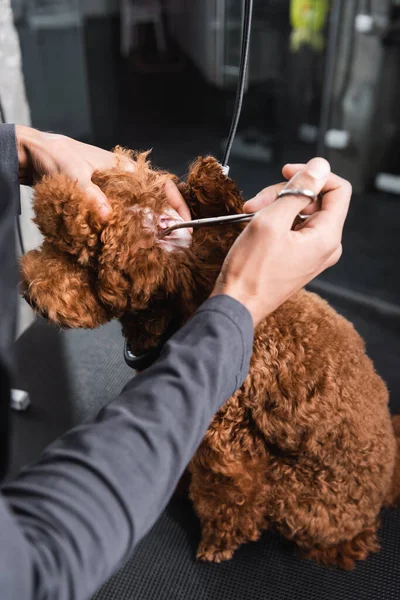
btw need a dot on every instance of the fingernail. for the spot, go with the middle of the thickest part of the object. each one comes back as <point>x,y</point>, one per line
<point>319,168</point>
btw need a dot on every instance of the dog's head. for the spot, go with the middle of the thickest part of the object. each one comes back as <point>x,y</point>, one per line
<point>89,271</point>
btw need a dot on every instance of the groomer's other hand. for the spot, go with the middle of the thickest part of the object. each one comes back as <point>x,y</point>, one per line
<point>41,153</point>
<point>270,261</point>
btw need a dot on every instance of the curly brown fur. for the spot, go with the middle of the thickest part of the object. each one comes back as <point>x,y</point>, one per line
<point>393,496</point>
<point>306,446</point>
<point>60,289</point>
<point>345,554</point>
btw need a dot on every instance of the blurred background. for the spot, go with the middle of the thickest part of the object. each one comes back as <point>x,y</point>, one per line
<point>324,78</point>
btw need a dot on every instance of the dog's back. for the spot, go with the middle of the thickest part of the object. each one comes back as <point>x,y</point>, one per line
<point>317,450</point>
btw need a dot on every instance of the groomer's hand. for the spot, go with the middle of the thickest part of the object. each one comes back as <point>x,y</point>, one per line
<point>270,260</point>
<point>41,153</point>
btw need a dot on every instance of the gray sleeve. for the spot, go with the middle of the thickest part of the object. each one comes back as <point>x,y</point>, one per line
<point>9,204</point>
<point>70,520</point>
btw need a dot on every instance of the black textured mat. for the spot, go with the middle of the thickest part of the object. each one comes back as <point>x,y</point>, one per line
<point>164,568</point>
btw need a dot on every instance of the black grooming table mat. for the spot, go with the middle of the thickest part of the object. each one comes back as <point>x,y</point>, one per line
<point>164,568</point>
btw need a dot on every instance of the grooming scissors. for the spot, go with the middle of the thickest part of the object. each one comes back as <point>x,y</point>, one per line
<point>240,218</point>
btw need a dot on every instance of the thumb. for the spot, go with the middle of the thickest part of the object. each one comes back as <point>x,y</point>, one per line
<point>99,199</point>
<point>176,201</point>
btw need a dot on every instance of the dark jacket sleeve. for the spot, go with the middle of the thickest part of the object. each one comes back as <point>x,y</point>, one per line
<point>71,519</point>
<point>9,203</point>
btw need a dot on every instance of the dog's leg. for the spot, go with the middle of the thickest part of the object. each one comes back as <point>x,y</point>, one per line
<point>336,534</point>
<point>393,496</point>
<point>231,512</point>
<point>345,554</point>
<point>222,534</point>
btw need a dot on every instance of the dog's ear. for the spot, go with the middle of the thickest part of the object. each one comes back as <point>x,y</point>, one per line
<point>66,217</point>
<point>60,289</point>
<point>209,192</point>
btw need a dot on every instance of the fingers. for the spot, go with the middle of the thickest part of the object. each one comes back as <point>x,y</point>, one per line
<point>326,226</point>
<point>301,176</point>
<point>336,199</point>
<point>264,198</point>
<point>122,162</point>
<point>313,176</point>
<point>94,193</point>
<point>335,187</point>
<point>335,204</point>
<point>98,160</point>
<point>176,201</point>
<point>83,177</point>
<point>335,256</point>
<point>289,170</point>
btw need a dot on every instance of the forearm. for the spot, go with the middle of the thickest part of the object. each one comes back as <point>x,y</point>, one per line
<point>99,489</point>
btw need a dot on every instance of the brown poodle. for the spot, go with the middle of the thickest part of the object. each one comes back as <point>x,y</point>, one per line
<point>306,446</point>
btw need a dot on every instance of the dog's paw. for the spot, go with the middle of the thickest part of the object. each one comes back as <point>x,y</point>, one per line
<point>212,554</point>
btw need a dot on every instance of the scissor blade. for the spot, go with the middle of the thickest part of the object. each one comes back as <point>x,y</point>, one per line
<point>210,221</point>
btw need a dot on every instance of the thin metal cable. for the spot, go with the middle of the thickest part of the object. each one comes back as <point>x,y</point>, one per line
<point>244,59</point>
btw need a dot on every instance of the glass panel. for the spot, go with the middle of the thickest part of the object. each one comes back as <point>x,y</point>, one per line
<point>113,81</point>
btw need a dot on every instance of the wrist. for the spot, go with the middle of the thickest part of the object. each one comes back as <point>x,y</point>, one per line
<point>25,137</point>
<point>31,144</point>
<point>236,293</point>
<point>20,136</point>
